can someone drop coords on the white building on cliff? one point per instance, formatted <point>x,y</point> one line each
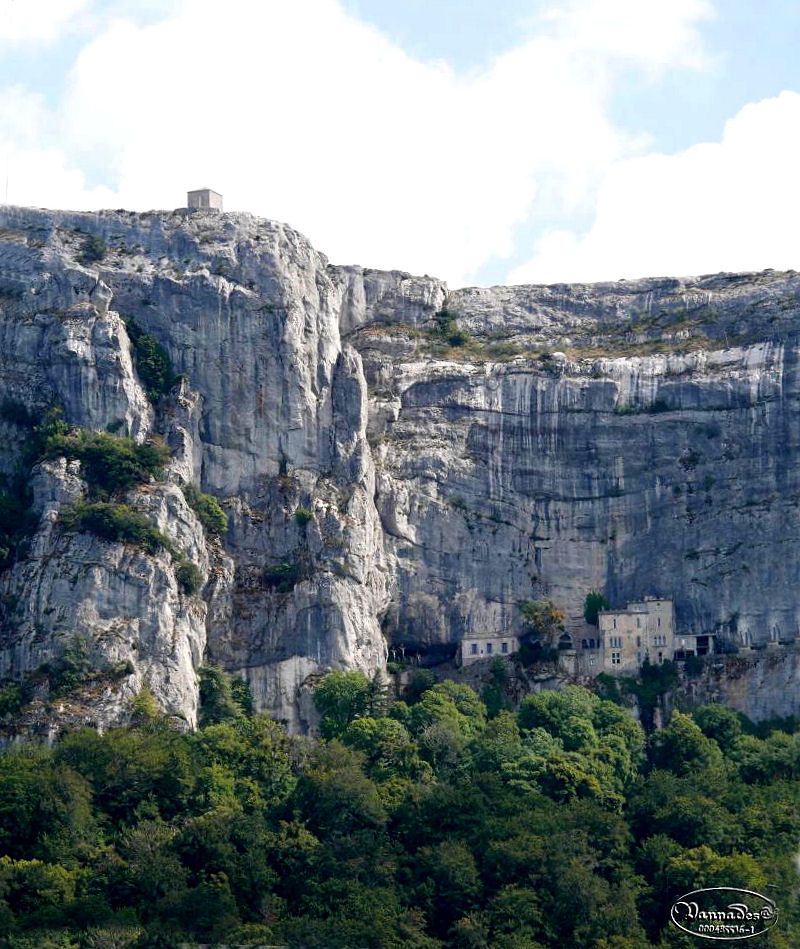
<point>644,630</point>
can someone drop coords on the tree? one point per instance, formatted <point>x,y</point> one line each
<point>592,605</point>
<point>342,697</point>
<point>682,748</point>
<point>720,723</point>
<point>493,692</point>
<point>557,711</point>
<point>217,701</point>
<point>453,703</point>
<point>499,744</point>
<point>144,706</point>
<point>45,807</point>
<point>542,618</point>
<point>335,796</point>
<point>448,884</point>
<point>421,680</point>
<point>387,745</point>
<point>73,666</point>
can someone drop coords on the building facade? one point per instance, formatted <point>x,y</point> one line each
<point>486,647</point>
<point>643,630</point>
<point>204,198</point>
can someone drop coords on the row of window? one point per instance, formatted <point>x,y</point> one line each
<point>638,622</point>
<point>617,641</point>
<point>616,658</point>
<point>473,649</point>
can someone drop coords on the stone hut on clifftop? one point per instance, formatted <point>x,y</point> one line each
<point>204,198</point>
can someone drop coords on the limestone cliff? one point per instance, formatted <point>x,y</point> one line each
<point>398,464</point>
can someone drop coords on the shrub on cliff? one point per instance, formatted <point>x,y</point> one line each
<point>94,249</point>
<point>189,577</point>
<point>116,522</point>
<point>446,328</point>
<point>207,509</point>
<point>109,463</point>
<point>153,363</point>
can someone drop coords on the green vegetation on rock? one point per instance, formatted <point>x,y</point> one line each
<point>207,509</point>
<point>446,328</point>
<point>94,249</point>
<point>592,605</point>
<point>115,522</point>
<point>189,577</point>
<point>109,463</point>
<point>153,363</point>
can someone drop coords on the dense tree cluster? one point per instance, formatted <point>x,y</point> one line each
<point>431,822</point>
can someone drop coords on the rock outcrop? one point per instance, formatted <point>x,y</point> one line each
<point>398,464</point>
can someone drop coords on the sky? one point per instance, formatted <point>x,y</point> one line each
<point>479,141</point>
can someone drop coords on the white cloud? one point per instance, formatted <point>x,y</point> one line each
<point>731,205</point>
<point>652,33</point>
<point>36,20</point>
<point>300,112</point>
<point>33,172</point>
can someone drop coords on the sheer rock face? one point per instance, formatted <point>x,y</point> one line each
<point>127,605</point>
<point>379,482</point>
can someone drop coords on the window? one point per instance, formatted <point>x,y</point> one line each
<point>638,623</point>
<point>615,622</point>
<point>639,658</point>
<point>473,649</point>
<point>659,622</point>
<point>638,641</point>
<point>615,660</point>
<point>504,647</point>
<point>660,658</point>
<point>616,641</point>
<point>488,649</point>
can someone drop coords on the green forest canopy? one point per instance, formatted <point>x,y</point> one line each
<point>426,824</point>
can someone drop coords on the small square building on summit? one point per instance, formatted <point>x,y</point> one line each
<point>204,198</point>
